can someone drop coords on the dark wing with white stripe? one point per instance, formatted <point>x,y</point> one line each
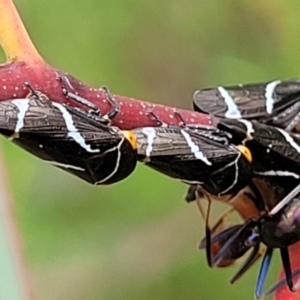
<point>275,155</point>
<point>260,101</point>
<point>88,149</point>
<point>193,158</point>
<point>269,138</point>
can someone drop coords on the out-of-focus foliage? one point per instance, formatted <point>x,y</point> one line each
<point>136,239</point>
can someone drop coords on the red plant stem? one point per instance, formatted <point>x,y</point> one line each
<point>26,64</point>
<point>134,113</point>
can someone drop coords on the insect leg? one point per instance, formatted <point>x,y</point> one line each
<point>66,85</point>
<point>285,257</point>
<point>205,216</point>
<point>252,258</point>
<point>208,235</point>
<point>230,241</point>
<point>196,127</point>
<point>182,122</point>
<point>90,118</point>
<point>94,110</point>
<point>280,284</point>
<point>285,200</point>
<point>159,122</point>
<point>115,105</point>
<point>263,272</point>
<point>222,219</point>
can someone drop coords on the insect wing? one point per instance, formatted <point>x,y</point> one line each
<point>251,101</point>
<point>193,158</point>
<point>49,130</point>
<point>275,157</point>
<point>280,150</point>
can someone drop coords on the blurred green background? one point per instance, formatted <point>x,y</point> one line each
<point>137,239</point>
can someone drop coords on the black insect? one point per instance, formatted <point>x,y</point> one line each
<point>234,251</point>
<point>194,158</point>
<point>208,161</point>
<point>275,162</point>
<point>275,159</point>
<point>275,153</point>
<point>276,172</point>
<point>74,140</point>
<point>278,228</point>
<point>275,103</point>
<point>217,237</point>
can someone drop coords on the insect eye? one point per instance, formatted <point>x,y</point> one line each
<point>245,151</point>
<point>131,137</point>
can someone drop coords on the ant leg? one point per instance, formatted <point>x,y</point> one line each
<point>280,284</point>
<point>287,199</point>
<point>205,216</point>
<point>221,221</point>
<point>263,272</point>
<point>285,257</point>
<point>95,119</point>
<point>251,259</point>
<point>230,241</point>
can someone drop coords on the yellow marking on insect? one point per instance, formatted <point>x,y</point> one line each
<point>245,151</point>
<point>131,137</point>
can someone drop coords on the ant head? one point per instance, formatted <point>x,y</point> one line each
<point>282,229</point>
